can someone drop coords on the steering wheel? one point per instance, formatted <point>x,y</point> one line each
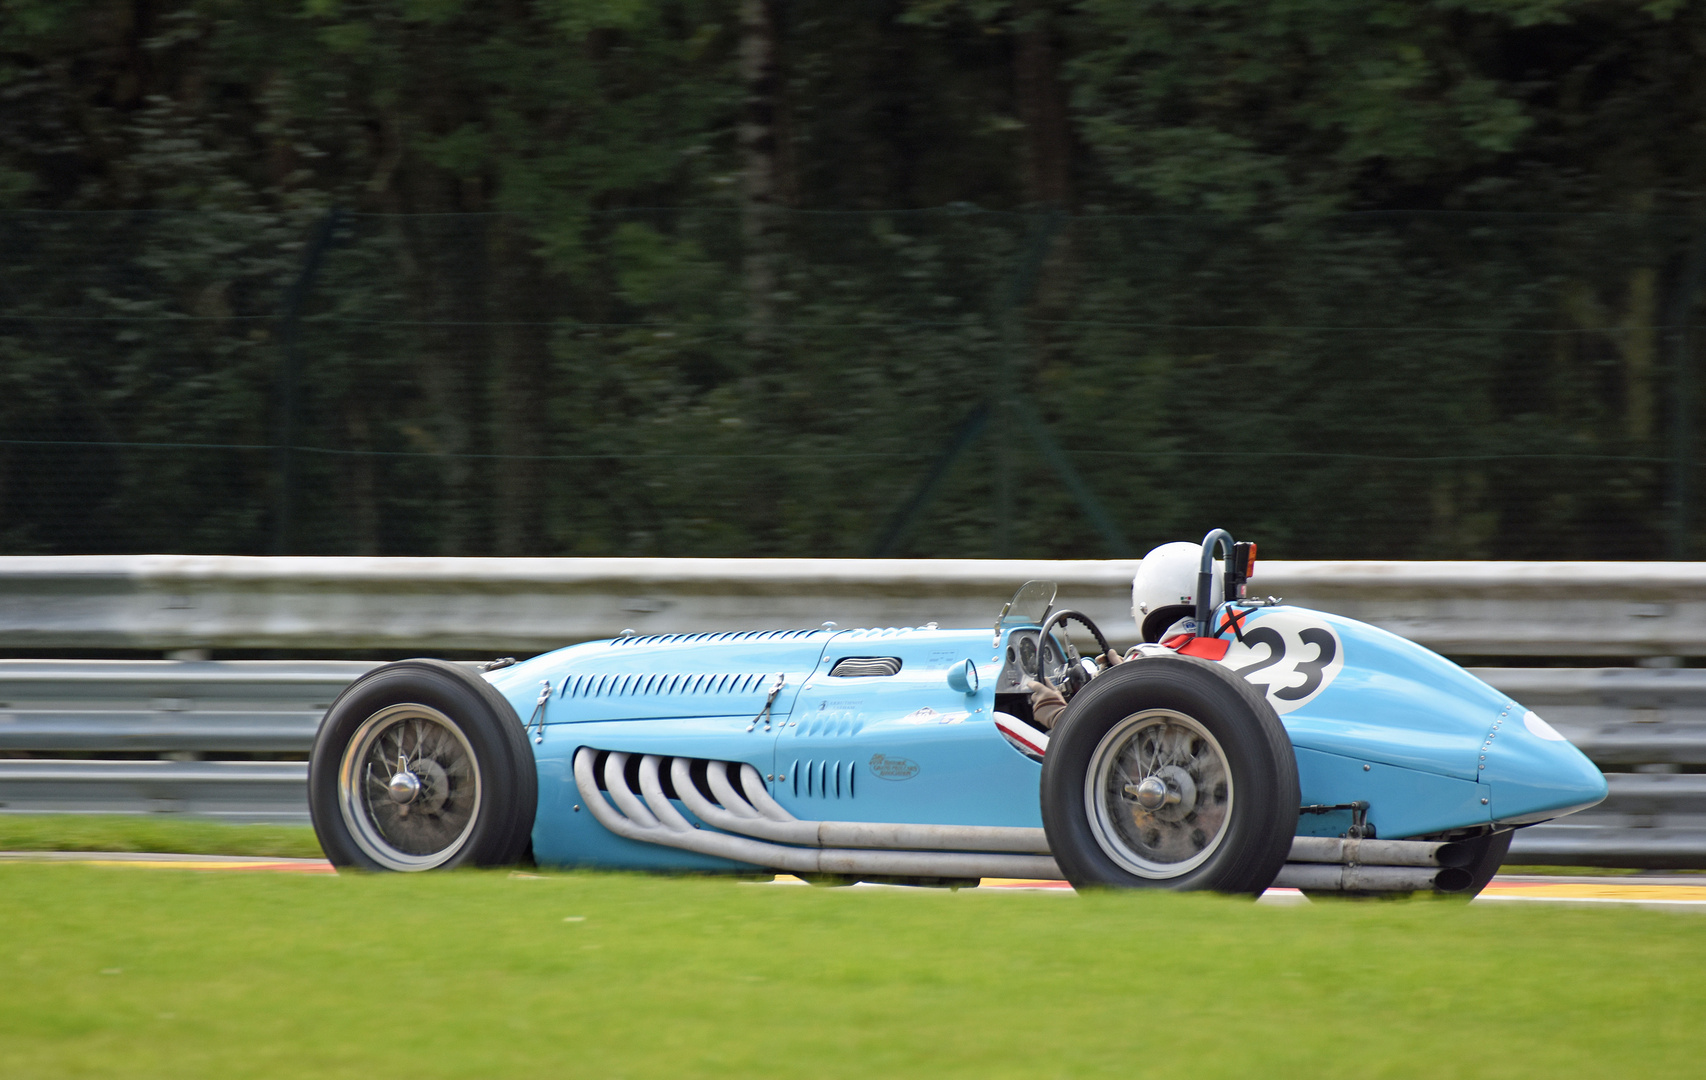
<point>1073,676</point>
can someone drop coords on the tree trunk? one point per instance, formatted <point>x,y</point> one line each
<point>758,144</point>
<point>1640,347</point>
<point>1041,98</point>
<point>520,350</point>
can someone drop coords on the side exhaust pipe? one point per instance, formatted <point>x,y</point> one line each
<point>1331,864</point>
<point>1327,877</point>
<point>758,830</point>
<point>772,822</point>
<point>655,820</point>
<point>1328,849</point>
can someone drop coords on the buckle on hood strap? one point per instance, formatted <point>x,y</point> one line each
<point>769,700</point>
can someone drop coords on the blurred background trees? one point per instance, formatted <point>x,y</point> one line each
<point>759,277</point>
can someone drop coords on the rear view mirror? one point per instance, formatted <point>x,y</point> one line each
<point>963,677</point>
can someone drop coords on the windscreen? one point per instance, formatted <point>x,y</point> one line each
<point>1029,605</point>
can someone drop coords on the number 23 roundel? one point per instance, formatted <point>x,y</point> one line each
<point>1290,656</point>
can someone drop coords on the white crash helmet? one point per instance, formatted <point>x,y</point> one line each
<point>1164,590</point>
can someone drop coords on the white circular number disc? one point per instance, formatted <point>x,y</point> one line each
<point>1540,728</point>
<point>1290,656</point>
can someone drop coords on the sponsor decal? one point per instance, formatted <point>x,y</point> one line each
<point>927,715</point>
<point>893,768</point>
<point>1290,656</point>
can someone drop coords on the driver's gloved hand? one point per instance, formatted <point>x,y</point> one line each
<point>1046,704</point>
<point>1108,661</point>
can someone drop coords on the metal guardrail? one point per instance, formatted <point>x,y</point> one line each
<point>167,706</point>
<point>179,709</point>
<point>1649,821</point>
<point>232,790</point>
<point>1646,719</point>
<point>429,605</point>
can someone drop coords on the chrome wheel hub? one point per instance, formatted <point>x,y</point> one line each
<point>409,787</point>
<point>1158,794</point>
<point>1181,800</point>
<point>404,786</point>
<point>1151,794</point>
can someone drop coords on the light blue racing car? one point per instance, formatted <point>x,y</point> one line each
<point>1244,744</point>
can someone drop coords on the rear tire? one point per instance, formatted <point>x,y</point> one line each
<point>422,765</point>
<point>1217,808</point>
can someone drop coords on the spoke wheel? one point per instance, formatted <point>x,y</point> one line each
<point>1168,772</point>
<point>1159,794</point>
<point>422,765</point>
<point>409,787</point>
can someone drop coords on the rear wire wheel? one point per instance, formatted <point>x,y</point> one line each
<point>409,787</point>
<point>1169,772</point>
<point>422,765</point>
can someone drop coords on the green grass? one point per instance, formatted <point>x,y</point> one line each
<point>153,832</point>
<point>161,973</point>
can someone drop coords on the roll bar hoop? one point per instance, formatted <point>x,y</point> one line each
<point>1205,579</point>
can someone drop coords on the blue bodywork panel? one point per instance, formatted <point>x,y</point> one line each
<point>1383,701</point>
<point>1403,802</point>
<point>1371,717</point>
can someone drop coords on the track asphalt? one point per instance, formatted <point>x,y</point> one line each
<point>1681,892</point>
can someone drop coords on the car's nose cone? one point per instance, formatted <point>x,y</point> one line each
<point>1534,772</point>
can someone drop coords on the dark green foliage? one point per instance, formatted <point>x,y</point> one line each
<point>1358,280</point>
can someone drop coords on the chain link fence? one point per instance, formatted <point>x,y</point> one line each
<point>948,382</point>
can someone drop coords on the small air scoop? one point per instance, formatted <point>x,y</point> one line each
<point>853,667</point>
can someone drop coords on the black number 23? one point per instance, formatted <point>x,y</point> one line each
<point>1325,650</point>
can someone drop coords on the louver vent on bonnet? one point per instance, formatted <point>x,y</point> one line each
<point>727,635</point>
<point>597,686</point>
<point>849,667</point>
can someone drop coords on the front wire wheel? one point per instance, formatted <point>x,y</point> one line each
<point>1168,772</point>
<point>1158,794</point>
<point>409,787</point>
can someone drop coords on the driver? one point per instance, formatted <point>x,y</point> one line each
<point>1164,591</point>
<point>1164,605</point>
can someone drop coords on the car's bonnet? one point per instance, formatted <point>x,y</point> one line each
<point>665,675</point>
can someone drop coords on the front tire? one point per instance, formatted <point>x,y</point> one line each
<point>1169,772</point>
<point>1489,853</point>
<point>422,765</point>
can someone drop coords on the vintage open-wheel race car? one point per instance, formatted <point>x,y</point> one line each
<point>1267,744</point>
